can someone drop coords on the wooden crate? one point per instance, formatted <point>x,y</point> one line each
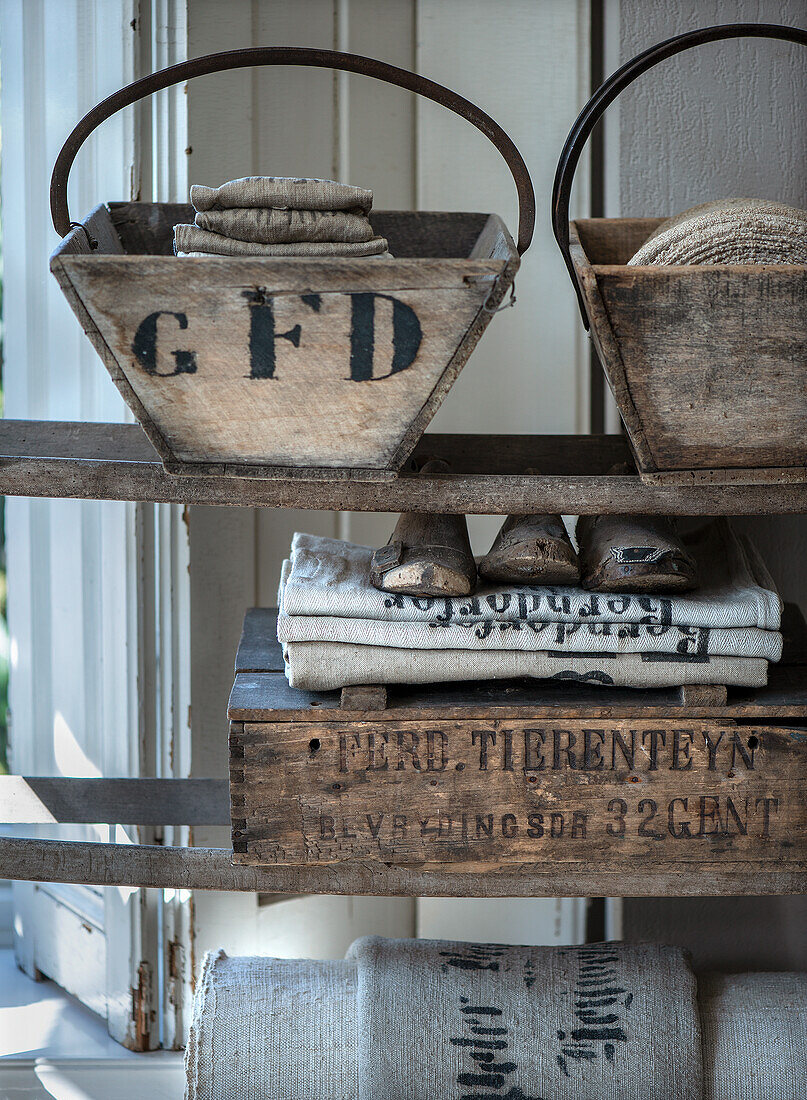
<point>708,364</point>
<point>486,777</point>
<point>249,365</point>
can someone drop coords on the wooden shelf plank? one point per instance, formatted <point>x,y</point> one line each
<point>212,869</point>
<point>44,800</point>
<point>116,462</point>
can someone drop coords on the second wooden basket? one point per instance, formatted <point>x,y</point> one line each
<point>707,363</point>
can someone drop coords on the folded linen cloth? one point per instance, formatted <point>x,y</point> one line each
<point>190,238</point>
<point>331,577</point>
<point>264,226</point>
<point>754,1036</point>
<point>282,193</point>
<point>730,231</point>
<point>327,666</point>
<point>581,637</point>
<point>412,1019</point>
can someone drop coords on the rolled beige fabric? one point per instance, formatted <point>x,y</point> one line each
<point>754,1029</point>
<point>282,192</point>
<point>272,1029</point>
<point>730,231</point>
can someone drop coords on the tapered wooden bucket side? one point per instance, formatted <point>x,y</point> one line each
<point>249,365</point>
<point>708,363</point>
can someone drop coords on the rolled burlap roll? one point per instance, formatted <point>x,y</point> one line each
<point>273,1029</point>
<point>754,1029</point>
<point>730,231</point>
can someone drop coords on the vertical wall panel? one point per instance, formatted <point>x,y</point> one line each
<point>72,611</point>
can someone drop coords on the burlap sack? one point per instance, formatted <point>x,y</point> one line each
<point>326,666</point>
<point>273,1029</point>
<point>754,1030</point>
<point>263,226</point>
<point>731,231</point>
<point>456,1021</point>
<point>332,577</point>
<point>283,193</point>
<point>190,238</point>
<point>579,638</point>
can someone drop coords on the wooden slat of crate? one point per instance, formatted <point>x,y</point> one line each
<point>622,794</point>
<point>41,800</point>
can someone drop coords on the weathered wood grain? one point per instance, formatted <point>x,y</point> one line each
<point>633,553</point>
<point>533,548</point>
<point>232,363</point>
<point>498,791</point>
<point>166,867</point>
<point>703,695</point>
<point>708,363</point>
<point>363,697</point>
<point>116,462</point>
<point>41,800</point>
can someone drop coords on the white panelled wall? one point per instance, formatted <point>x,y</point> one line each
<point>72,565</point>
<point>526,63</point>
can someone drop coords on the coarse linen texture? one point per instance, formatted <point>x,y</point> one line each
<point>332,577</point>
<point>282,193</point>
<point>273,1029</point>
<point>754,1036</point>
<point>287,226</point>
<point>327,666</point>
<point>337,629</point>
<point>459,1020</point>
<point>429,1019</point>
<point>729,231</point>
<point>192,239</point>
<point>582,637</point>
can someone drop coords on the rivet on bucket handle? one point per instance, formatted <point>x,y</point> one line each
<point>607,93</point>
<point>283,55</point>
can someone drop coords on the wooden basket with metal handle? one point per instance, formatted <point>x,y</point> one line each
<point>708,363</point>
<point>254,365</point>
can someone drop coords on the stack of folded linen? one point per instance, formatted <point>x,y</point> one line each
<point>337,629</point>
<point>275,216</point>
<point>431,1019</point>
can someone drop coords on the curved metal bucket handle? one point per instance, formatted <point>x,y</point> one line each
<point>283,55</point>
<point>607,93</point>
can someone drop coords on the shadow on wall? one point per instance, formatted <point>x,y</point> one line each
<point>737,937</point>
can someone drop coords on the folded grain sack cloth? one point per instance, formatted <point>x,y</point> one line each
<point>754,1031</point>
<point>263,226</point>
<point>730,231</point>
<point>277,216</point>
<point>192,239</point>
<point>438,1020</point>
<point>282,193</point>
<point>333,624</point>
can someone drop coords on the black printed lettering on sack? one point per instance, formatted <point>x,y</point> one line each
<point>491,1065</point>
<point>536,604</point>
<point>601,1005</point>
